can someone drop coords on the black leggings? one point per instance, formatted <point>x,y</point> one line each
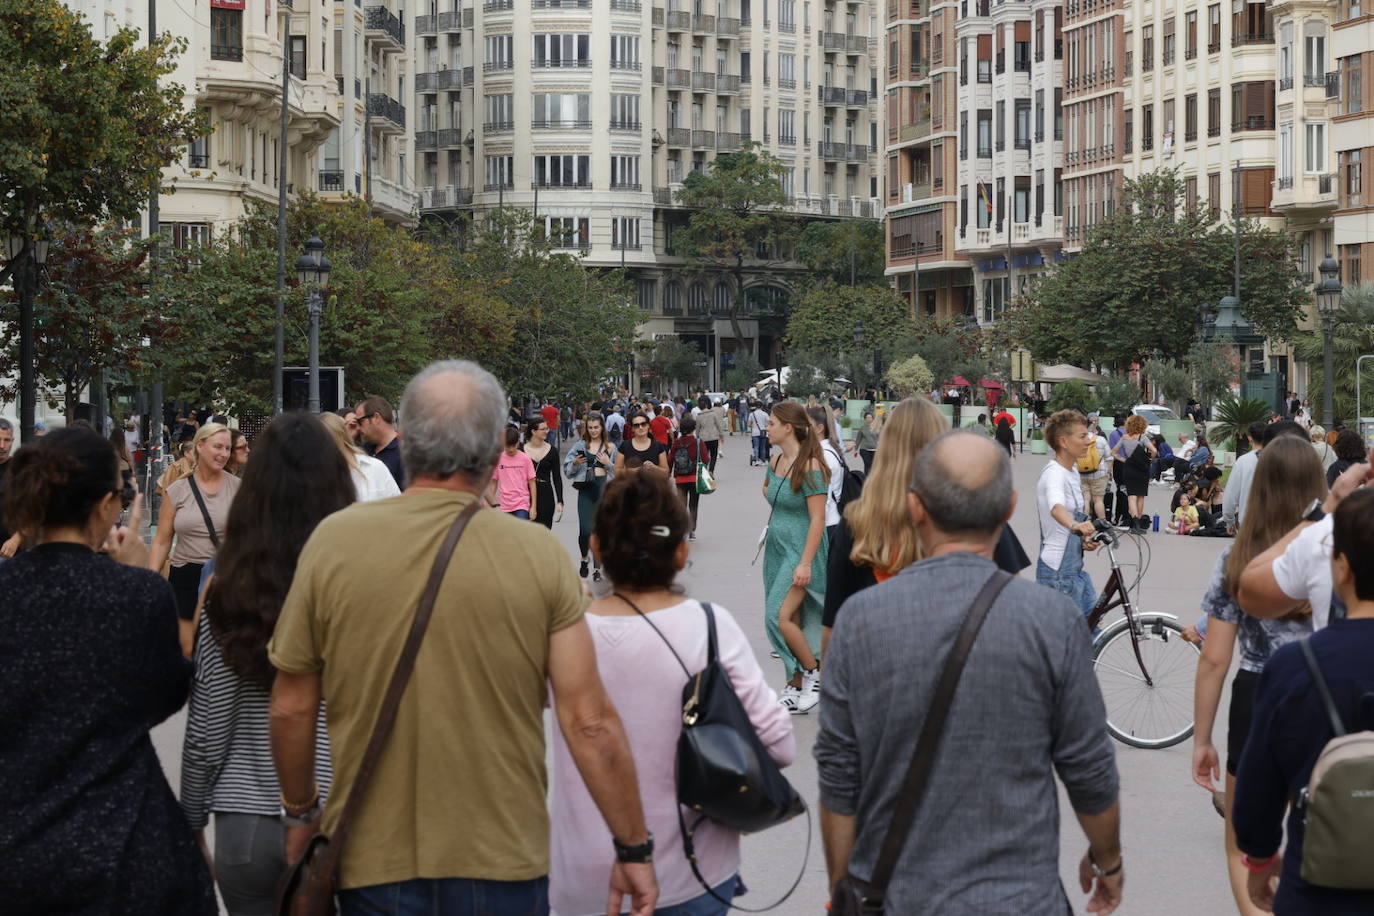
<point>712,451</point>
<point>692,498</point>
<point>588,498</point>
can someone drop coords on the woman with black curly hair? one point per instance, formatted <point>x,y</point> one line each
<point>297,477</point>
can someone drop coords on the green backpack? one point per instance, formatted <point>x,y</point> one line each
<point>1338,803</point>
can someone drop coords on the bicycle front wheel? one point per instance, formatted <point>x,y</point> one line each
<point>1149,699</point>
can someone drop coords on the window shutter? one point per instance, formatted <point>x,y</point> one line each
<point>1023,31</point>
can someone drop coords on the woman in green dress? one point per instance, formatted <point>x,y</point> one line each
<point>794,557</point>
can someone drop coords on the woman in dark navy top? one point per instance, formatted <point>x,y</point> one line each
<point>89,662</point>
<point>1291,727</point>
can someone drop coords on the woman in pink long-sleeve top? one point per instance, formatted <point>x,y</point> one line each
<point>641,538</point>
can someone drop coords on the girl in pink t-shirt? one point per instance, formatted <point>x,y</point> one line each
<point>512,485</point>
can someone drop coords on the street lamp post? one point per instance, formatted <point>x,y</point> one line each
<point>30,252</point>
<point>313,270</point>
<point>1329,305</point>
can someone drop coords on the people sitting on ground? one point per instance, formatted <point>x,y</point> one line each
<point>1185,516</point>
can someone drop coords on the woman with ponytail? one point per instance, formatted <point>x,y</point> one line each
<point>89,662</point>
<point>794,552</point>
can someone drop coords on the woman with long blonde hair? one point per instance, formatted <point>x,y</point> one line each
<point>1287,479</point>
<point>796,486</point>
<point>876,539</point>
<point>371,478</point>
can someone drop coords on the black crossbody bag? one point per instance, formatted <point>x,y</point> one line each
<point>854,896</point>
<point>723,770</point>
<point>204,511</point>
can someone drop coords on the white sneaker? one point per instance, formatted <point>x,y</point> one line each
<point>810,693</point>
<point>788,698</point>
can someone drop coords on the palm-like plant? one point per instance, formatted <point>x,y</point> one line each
<point>1352,337</point>
<point>1234,416</point>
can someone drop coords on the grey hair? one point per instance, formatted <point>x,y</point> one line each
<point>453,412</point>
<point>955,486</point>
<point>6,425</point>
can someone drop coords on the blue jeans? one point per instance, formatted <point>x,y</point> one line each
<point>521,513</point>
<point>448,897</point>
<point>761,449</point>
<point>1070,578</point>
<point>706,905</point>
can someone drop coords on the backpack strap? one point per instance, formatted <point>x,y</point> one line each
<point>1311,658</point>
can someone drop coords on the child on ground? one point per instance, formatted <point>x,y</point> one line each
<point>1185,516</point>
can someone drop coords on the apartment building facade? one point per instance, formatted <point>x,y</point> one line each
<point>1010,221</point>
<point>1351,88</point>
<point>591,113</point>
<point>370,153</point>
<point>922,114</point>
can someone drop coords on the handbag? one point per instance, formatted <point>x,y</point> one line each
<point>723,770</point>
<point>853,896</point>
<point>204,511</point>
<point>308,887</point>
<point>706,481</point>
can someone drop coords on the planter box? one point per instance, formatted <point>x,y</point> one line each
<point>1038,447</point>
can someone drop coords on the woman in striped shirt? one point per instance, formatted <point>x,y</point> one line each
<point>296,478</point>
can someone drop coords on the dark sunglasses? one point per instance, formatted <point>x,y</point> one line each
<point>637,425</point>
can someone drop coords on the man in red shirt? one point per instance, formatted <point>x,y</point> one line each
<point>662,425</point>
<point>550,415</point>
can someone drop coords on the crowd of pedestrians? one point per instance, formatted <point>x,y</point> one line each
<point>295,562</point>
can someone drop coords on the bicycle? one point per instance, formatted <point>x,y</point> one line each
<point>1143,664</point>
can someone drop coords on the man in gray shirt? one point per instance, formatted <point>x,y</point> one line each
<point>986,836</point>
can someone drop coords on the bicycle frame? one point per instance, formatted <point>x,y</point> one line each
<point>1114,595</point>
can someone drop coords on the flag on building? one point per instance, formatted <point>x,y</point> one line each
<point>985,197</point>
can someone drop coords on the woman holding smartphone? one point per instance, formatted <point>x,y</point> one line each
<point>589,464</point>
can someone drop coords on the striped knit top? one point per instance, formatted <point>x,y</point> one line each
<point>226,761</point>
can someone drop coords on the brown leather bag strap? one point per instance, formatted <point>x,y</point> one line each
<point>932,730</point>
<point>391,703</point>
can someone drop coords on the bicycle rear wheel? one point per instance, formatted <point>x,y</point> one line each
<point>1148,714</point>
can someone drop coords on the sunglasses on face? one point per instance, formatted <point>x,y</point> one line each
<point>638,425</point>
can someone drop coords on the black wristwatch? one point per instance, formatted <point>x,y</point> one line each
<point>642,854</point>
<point>1315,512</point>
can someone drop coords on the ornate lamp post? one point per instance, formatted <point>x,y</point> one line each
<point>1329,305</point>
<point>313,270</point>
<point>28,251</point>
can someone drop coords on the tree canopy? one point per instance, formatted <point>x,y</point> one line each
<point>736,224</point>
<point>1352,337</point>
<point>1136,288</point>
<point>85,126</point>
<point>849,251</point>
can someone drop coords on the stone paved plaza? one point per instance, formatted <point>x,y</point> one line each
<point>1170,834</point>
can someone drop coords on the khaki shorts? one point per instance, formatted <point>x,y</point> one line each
<point>1094,487</point>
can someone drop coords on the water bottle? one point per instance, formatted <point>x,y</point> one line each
<point>1156,522</point>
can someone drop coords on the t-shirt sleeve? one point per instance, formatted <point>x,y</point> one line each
<point>567,603</point>
<point>296,645</point>
<point>1216,602</point>
<point>1305,561</point>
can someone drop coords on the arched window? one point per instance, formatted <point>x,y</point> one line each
<point>696,305</point>
<point>672,297</point>
<point>766,299</point>
<point>725,297</point>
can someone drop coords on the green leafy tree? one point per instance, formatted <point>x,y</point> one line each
<point>671,359</point>
<point>847,251</point>
<point>85,126</point>
<point>574,328</point>
<point>910,377</point>
<point>1136,288</point>
<point>1352,337</point>
<point>823,320</point>
<point>949,348</point>
<point>743,374</point>
<point>1117,394</point>
<point>393,304</point>
<point>1072,394</point>
<point>1212,370</point>
<point>737,224</point>
<point>1173,382</point>
<point>811,373</point>
<point>89,315</point>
